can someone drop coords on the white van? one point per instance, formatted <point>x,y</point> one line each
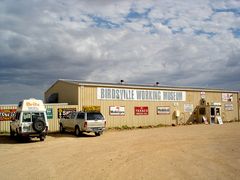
<point>30,120</point>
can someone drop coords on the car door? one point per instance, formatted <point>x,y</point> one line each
<point>66,121</point>
<point>80,119</point>
<point>71,122</point>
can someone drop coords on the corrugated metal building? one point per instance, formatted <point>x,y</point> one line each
<point>143,105</point>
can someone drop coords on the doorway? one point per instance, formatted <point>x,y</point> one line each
<point>215,113</point>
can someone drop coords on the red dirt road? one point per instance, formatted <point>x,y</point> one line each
<point>184,152</point>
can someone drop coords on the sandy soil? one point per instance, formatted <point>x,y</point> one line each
<point>185,152</point>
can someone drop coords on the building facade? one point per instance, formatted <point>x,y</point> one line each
<point>144,105</point>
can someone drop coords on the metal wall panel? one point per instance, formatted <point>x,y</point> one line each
<point>89,98</point>
<point>4,125</point>
<point>53,123</point>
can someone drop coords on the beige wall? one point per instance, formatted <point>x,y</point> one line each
<point>66,92</point>
<point>88,97</point>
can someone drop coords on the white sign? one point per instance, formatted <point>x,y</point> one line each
<point>219,118</point>
<point>203,94</point>
<point>117,110</point>
<point>140,95</point>
<point>227,97</point>
<point>163,110</point>
<point>188,108</point>
<point>228,107</point>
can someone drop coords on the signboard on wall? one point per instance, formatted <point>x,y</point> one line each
<point>188,108</point>
<point>227,97</point>
<point>140,95</point>
<point>117,110</point>
<point>141,110</point>
<point>228,107</point>
<point>49,113</point>
<point>163,110</point>
<point>203,95</point>
<point>91,108</point>
<point>7,114</point>
<point>62,112</point>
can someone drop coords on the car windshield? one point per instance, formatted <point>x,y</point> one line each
<point>94,116</point>
<point>31,117</point>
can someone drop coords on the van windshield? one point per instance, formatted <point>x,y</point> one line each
<point>32,116</point>
<point>94,116</point>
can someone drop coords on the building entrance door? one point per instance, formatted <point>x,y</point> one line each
<point>215,114</point>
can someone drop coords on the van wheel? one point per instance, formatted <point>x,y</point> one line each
<point>12,133</point>
<point>98,133</point>
<point>39,125</point>
<point>42,138</point>
<point>62,130</point>
<point>77,131</point>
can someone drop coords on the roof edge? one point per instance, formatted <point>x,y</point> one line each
<point>166,87</point>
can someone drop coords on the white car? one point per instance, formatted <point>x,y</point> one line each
<point>30,120</point>
<point>80,122</point>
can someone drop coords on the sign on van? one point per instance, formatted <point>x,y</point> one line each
<point>7,114</point>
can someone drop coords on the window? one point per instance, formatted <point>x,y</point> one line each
<point>94,116</point>
<point>17,117</point>
<point>212,112</point>
<point>26,117</point>
<point>72,115</point>
<point>80,116</point>
<point>36,116</point>
<point>31,117</point>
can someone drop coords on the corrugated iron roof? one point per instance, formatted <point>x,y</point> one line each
<point>144,86</point>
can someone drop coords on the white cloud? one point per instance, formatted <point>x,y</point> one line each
<point>173,42</point>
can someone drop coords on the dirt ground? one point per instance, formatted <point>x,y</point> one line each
<point>184,152</point>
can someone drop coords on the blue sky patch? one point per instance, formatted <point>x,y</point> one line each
<point>136,15</point>
<point>235,11</point>
<point>236,32</point>
<point>202,32</point>
<point>103,23</point>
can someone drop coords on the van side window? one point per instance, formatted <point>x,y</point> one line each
<point>17,117</point>
<point>26,117</point>
<point>80,116</point>
<point>73,115</point>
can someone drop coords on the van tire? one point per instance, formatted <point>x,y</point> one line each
<point>77,131</point>
<point>12,133</point>
<point>98,133</point>
<point>42,138</point>
<point>39,125</point>
<point>61,129</point>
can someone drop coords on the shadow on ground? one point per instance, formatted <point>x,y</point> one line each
<point>6,139</point>
<point>71,135</point>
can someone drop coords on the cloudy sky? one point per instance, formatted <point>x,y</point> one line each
<point>174,42</point>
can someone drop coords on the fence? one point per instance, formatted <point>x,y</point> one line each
<point>54,113</point>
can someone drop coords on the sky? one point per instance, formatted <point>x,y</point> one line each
<point>173,42</point>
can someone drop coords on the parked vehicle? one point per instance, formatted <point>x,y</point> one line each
<point>30,120</point>
<point>80,122</point>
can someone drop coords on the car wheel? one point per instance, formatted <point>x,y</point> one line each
<point>62,130</point>
<point>77,131</point>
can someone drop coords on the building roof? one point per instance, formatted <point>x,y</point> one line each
<point>142,86</point>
